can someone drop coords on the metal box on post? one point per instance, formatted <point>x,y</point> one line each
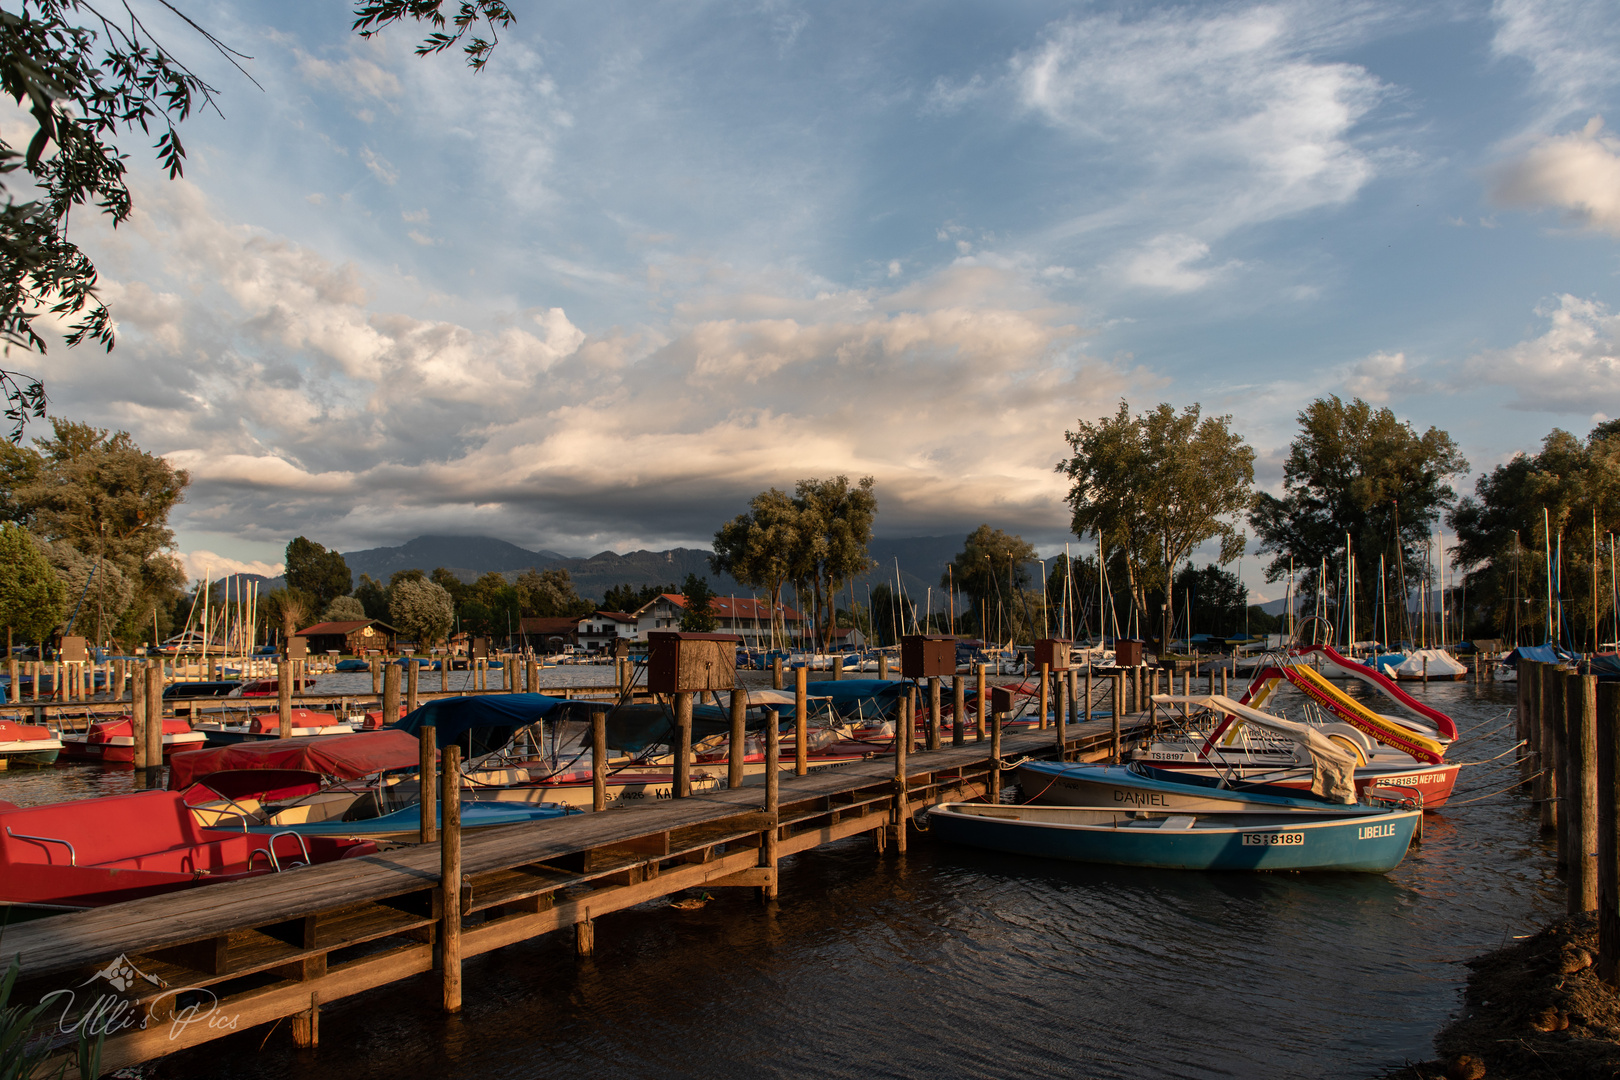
<point>75,650</point>
<point>924,656</point>
<point>679,662</point>
<point>1128,652</point>
<point>1001,699</point>
<point>1053,652</point>
<point>479,649</point>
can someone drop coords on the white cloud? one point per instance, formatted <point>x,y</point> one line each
<point>1572,368</point>
<point>203,563</point>
<point>1572,47</point>
<point>379,166</point>
<point>1380,376</point>
<point>353,75</point>
<point>1578,174</point>
<point>1167,263</point>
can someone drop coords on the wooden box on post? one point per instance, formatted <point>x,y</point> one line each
<point>1053,652</point>
<point>927,656</point>
<point>75,649</point>
<point>1128,652</point>
<point>297,647</point>
<point>1001,699</point>
<point>679,662</point>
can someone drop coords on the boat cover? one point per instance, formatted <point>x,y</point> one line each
<point>858,699</point>
<point>633,728</point>
<point>1441,664</point>
<point>1541,654</point>
<point>1332,767</point>
<point>491,718</point>
<point>1606,663</point>
<point>342,757</point>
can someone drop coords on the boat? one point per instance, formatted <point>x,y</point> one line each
<point>189,690</point>
<point>113,741</point>
<point>305,722</point>
<point>91,852</point>
<point>27,744</point>
<point>1432,665</point>
<point>365,819</point>
<point>1366,839</point>
<point>269,688</point>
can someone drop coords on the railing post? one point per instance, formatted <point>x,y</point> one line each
<point>599,759</point>
<point>450,879</point>
<point>773,780</point>
<point>1581,799</point>
<point>426,773</point>
<point>739,738</point>
<point>1607,722</point>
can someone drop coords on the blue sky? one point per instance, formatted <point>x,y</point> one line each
<point>658,257</point>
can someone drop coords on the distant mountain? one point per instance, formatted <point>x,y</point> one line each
<point>465,556</point>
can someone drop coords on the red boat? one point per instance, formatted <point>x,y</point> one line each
<point>91,852</point>
<point>114,740</point>
<point>270,688</point>
<point>28,744</point>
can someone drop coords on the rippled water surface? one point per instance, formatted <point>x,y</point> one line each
<point>956,962</point>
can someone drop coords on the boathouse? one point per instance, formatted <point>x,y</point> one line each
<point>356,637</point>
<point>546,634</point>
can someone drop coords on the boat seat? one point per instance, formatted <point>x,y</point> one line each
<point>1178,821</point>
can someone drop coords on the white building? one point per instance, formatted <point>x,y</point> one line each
<point>600,631</point>
<point>746,617</point>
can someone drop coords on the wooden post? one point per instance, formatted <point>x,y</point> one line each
<point>776,673</point>
<point>1060,719</point>
<point>1087,719</point>
<point>773,780</point>
<point>994,794</point>
<point>1580,699</point>
<point>739,738</point>
<point>958,710</point>
<point>837,668</point>
<point>903,731</point>
<point>137,718</point>
<point>450,879</point>
<point>13,671</point>
<point>390,699</point>
<point>1225,676</point>
<point>1119,707</point>
<point>1073,680</point>
<point>284,696</point>
<point>981,714</point>
<point>444,672</point>
<point>683,744</point>
<point>883,665</point>
<point>306,1026</point>
<point>599,759</point>
<point>1529,718</point>
<point>1608,824</point>
<point>427,830</point>
<point>1046,694</point>
<point>376,675</point>
<point>534,677</point>
<point>801,721</point>
<point>933,712</point>
<point>585,937</point>
<point>627,680</point>
<point>154,723</point>
<point>412,696</point>
<point>1552,693</point>
<point>36,667</point>
<point>1425,671</point>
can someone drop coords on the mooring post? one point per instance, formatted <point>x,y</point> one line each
<point>627,680</point>
<point>837,668</point>
<point>427,760</point>
<point>534,676</point>
<point>1580,699</point>
<point>1045,695</point>
<point>1060,720</point>
<point>982,709</point>
<point>1530,674</point>
<point>154,724</point>
<point>994,794</point>
<point>376,674</point>
<point>933,712</point>
<point>1072,679</point>
<point>776,673</point>
<point>450,878</point>
<point>413,695</point>
<point>738,747</point>
<point>801,721</point>
<point>1088,693</point>
<point>599,759</point>
<point>306,1026</point>
<point>444,672</point>
<point>390,697</point>
<point>883,665</point>
<point>137,718</point>
<point>903,731</point>
<point>1119,707</point>
<point>683,744</point>
<point>1608,826</point>
<point>1552,687</point>
<point>958,710</point>
<point>773,781</point>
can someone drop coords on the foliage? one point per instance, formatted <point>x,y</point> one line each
<point>314,570</point>
<point>287,610</point>
<point>451,584</point>
<point>698,614</point>
<point>1504,529</point>
<point>97,593</point>
<point>373,597</point>
<point>1212,600</point>
<point>992,568</point>
<point>344,609</point>
<point>629,598</point>
<point>371,17</point>
<point>1358,471</point>
<point>549,594</point>
<point>1261,622</point>
<point>32,596</point>
<point>764,547</point>
<point>835,528</point>
<point>23,1056</point>
<point>1155,486</point>
<point>492,606</point>
<point>420,610</point>
<point>1072,580</point>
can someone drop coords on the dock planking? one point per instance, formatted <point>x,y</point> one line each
<point>276,946</point>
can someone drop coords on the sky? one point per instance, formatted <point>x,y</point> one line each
<point>656,258</point>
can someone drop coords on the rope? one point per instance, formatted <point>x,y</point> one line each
<point>1451,803</point>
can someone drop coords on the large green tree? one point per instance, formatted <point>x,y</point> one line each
<point>1156,485</point>
<point>835,530</point>
<point>628,598</point>
<point>32,596</point>
<point>1364,473</point>
<point>697,615</point>
<point>992,568</point>
<point>322,574</point>
<point>420,610</point>
<point>764,547</point>
<point>549,594</point>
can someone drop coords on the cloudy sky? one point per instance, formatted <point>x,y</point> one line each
<point>658,257</point>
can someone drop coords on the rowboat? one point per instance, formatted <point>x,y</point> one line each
<point>1142,787</point>
<point>113,741</point>
<point>1372,840</point>
<point>305,722</point>
<point>27,744</point>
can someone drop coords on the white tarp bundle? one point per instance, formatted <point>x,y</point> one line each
<point>1333,768</point>
<point>1442,665</point>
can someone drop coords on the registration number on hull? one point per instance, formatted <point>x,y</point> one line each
<point>1273,839</point>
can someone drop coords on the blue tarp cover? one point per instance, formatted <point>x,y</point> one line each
<point>1541,654</point>
<point>493,718</point>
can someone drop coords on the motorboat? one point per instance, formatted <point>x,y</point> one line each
<point>305,723</point>
<point>27,744</point>
<point>113,741</point>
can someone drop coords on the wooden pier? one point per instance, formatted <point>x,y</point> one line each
<point>251,952</point>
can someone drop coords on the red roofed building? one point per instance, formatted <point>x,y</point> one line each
<point>355,638</point>
<point>744,616</point>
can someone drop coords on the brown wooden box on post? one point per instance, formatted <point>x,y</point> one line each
<point>1001,699</point>
<point>1053,652</point>
<point>1128,652</point>
<point>297,647</point>
<point>927,656</point>
<point>680,662</point>
<point>621,648</point>
<point>75,650</point>
<point>480,648</point>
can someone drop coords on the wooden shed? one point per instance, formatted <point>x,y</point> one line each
<point>353,637</point>
<point>682,662</point>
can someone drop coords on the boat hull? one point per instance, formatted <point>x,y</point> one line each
<point>1433,782</point>
<point>1116,787</point>
<point>1366,842</point>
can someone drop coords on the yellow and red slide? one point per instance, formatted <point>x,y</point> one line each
<point>1314,686</point>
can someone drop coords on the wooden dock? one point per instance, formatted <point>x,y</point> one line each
<point>251,952</point>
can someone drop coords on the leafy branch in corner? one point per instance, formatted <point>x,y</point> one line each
<point>370,19</point>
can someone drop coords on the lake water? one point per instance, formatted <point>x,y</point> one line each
<point>955,962</point>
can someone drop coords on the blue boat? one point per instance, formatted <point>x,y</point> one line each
<point>406,823</point>
<point>1142,787</point>
<point>1368,839</point>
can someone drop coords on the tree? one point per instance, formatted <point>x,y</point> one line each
<point>450,584</point>
<point>628,598</point>
<point>86,79</point>
<point>98,594</point>
<point>1071,587</point>
<point>1155,486</point>
<point>1362,472</point>
<point>549,594</point>
<point>344,609</point>
<point>835,530</point>
<point>32,596</point>
<point>764,547</point>
<point>373,597</point>
<point>312,569</point>
<point>1212,599</point>
<point>993,568</point>
<point>288,610</point>
<point>420,610</point>
<point>698,599</point>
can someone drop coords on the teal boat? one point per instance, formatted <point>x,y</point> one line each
<point>405,824</point>
<point>1367,839</point>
